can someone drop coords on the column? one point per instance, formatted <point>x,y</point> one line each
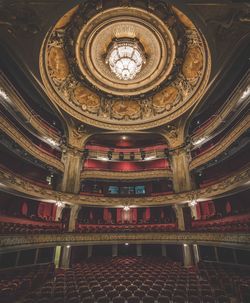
<point>179,216</point>
<point>187,255</point>
<point>90,251</point>
<point>138,250</point>
<point>163,250</point>
<point>196,254</point>
<point>74,210</point>
<point>17,258</point>
<point>72,159</point>
<point>180,166</point>
<point>36,256</point>
<point>114,250</point>
<point>216,254</point>
<point>57,254</point>
<point>65,256</point>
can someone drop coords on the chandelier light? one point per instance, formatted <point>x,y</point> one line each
<point>59,203</point>
<point>126,208</point>
<point>125,58</point>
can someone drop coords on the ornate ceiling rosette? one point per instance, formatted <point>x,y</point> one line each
<point>171,75</point>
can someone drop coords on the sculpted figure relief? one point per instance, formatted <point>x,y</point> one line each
<point>58,63</point>
<point>193,63</point>
<point>166,98</point>
<point>128,108</point>
<point>86,99</point>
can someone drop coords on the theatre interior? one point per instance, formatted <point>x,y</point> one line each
<point>124,151</point>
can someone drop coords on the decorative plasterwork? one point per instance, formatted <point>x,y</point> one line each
<point>17,101</point>
<point>221,116</point>
<point>11,241</point>
<point>126,175</point>
<point>8,128</point>
<point>14,182</point>
<point>222,145</point>
<point>76,77</point>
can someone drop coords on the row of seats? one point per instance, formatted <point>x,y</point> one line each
<point>15,283</point>
<point>233,279</point>
<point>128,280</point>
<point>231,226</point>
<point>88,228</point>
<point>6,228</point>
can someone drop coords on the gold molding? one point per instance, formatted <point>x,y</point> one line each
<point>28,145</point>
<point>18,102</point>
<point>223,112</point>
<point>13,182</point>
<point>223,144</point>
<point>127,175</point>
<point>60,89</point>
<point>10,241</point>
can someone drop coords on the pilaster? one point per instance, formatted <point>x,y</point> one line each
<point>180,216</point>
<point>65,256</point>
<point>74,210</point>
<point>72,159</point>
<point>187,255</point>
<point>182,180</point>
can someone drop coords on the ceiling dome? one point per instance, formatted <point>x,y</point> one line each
<point>125,67</point>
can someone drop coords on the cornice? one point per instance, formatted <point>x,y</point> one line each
<point>126,175</point>
<point>11,241</point>
<point>32,117</point>
<point>223,112</point>
<point>13,182</point>
<point>8,128</point>
<point>223,144</point>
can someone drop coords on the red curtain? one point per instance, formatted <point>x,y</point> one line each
<point>207,209</point>
<point>228,207</point>
<point>119,215</point>
<point>198,211</point>
<point>147,214</point>
<point>134,216</point>
<point>107,215</point>
<point>24,209</point>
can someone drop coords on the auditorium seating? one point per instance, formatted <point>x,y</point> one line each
<point>230,279</point>
<point>16,283</point>
<point>239,223</point>
<point>112,228</point>
<point>129,280</point>
<point>7,227</point>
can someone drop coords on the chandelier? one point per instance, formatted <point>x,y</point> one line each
<point>59,203</point>
<point>125,58</point>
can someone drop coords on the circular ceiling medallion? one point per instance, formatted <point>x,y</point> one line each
<point>93,42</point>
<point>125,67</point>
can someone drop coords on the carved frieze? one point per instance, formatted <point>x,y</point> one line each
<point>15,182</point>
<point>77,78</point>
<point>11,241</point>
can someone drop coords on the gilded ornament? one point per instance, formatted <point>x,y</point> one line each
<point>57,63</point>
<point>166,98</point>
<point>129,108</point>
<point>86,99</point>
<point>183,18</point>
<point>193,63</point>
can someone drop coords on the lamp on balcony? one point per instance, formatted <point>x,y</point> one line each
<point>59,202</point>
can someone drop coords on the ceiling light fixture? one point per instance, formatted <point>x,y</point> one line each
<point>126,208</point>
<point>59,203</point>
<point>125,58</point>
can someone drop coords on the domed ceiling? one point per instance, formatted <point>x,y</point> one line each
<point>125,67</point>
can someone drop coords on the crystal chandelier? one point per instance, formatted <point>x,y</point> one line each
<point>125,58</point>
